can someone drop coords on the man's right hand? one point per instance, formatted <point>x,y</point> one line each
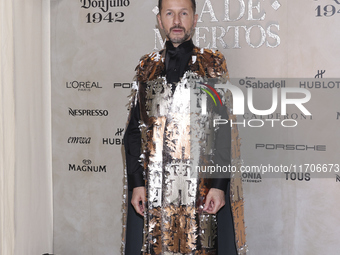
<point>138,199</point>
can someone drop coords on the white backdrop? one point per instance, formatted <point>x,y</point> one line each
<point>26,216</point>
<point>94,52</point>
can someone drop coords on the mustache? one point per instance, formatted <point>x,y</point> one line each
<point>176,27</point>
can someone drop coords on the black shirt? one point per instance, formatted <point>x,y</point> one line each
<point>176,60</point>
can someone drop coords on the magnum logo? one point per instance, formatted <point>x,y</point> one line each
<point>87,167</point>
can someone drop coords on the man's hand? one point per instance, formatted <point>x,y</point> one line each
<point>215,201</point>
<point>138,199</point>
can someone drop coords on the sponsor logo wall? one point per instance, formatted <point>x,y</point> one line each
<point>271,47</point>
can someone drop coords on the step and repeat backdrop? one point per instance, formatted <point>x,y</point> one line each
<point>284,57</point>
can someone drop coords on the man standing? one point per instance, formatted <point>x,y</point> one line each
<point>178,210</point>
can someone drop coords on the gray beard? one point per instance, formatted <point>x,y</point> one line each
<point>183,39</point>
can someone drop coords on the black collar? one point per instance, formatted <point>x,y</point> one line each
<point>183,48</point>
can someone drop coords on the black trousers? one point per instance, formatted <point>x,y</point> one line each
<point>225,230</point>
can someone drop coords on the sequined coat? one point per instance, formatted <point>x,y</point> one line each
<point>174,222</point>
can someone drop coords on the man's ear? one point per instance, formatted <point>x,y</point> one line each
<point>195,19</point>
<point>160,21</point>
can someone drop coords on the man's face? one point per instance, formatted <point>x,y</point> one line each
<point>178,20</point>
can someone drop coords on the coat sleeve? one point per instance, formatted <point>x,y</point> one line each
<point>222,155</point>
<point>132,145</point>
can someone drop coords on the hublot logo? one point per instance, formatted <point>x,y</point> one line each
<point>115,141</point>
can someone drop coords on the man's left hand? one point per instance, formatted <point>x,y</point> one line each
<point>215,201</point>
